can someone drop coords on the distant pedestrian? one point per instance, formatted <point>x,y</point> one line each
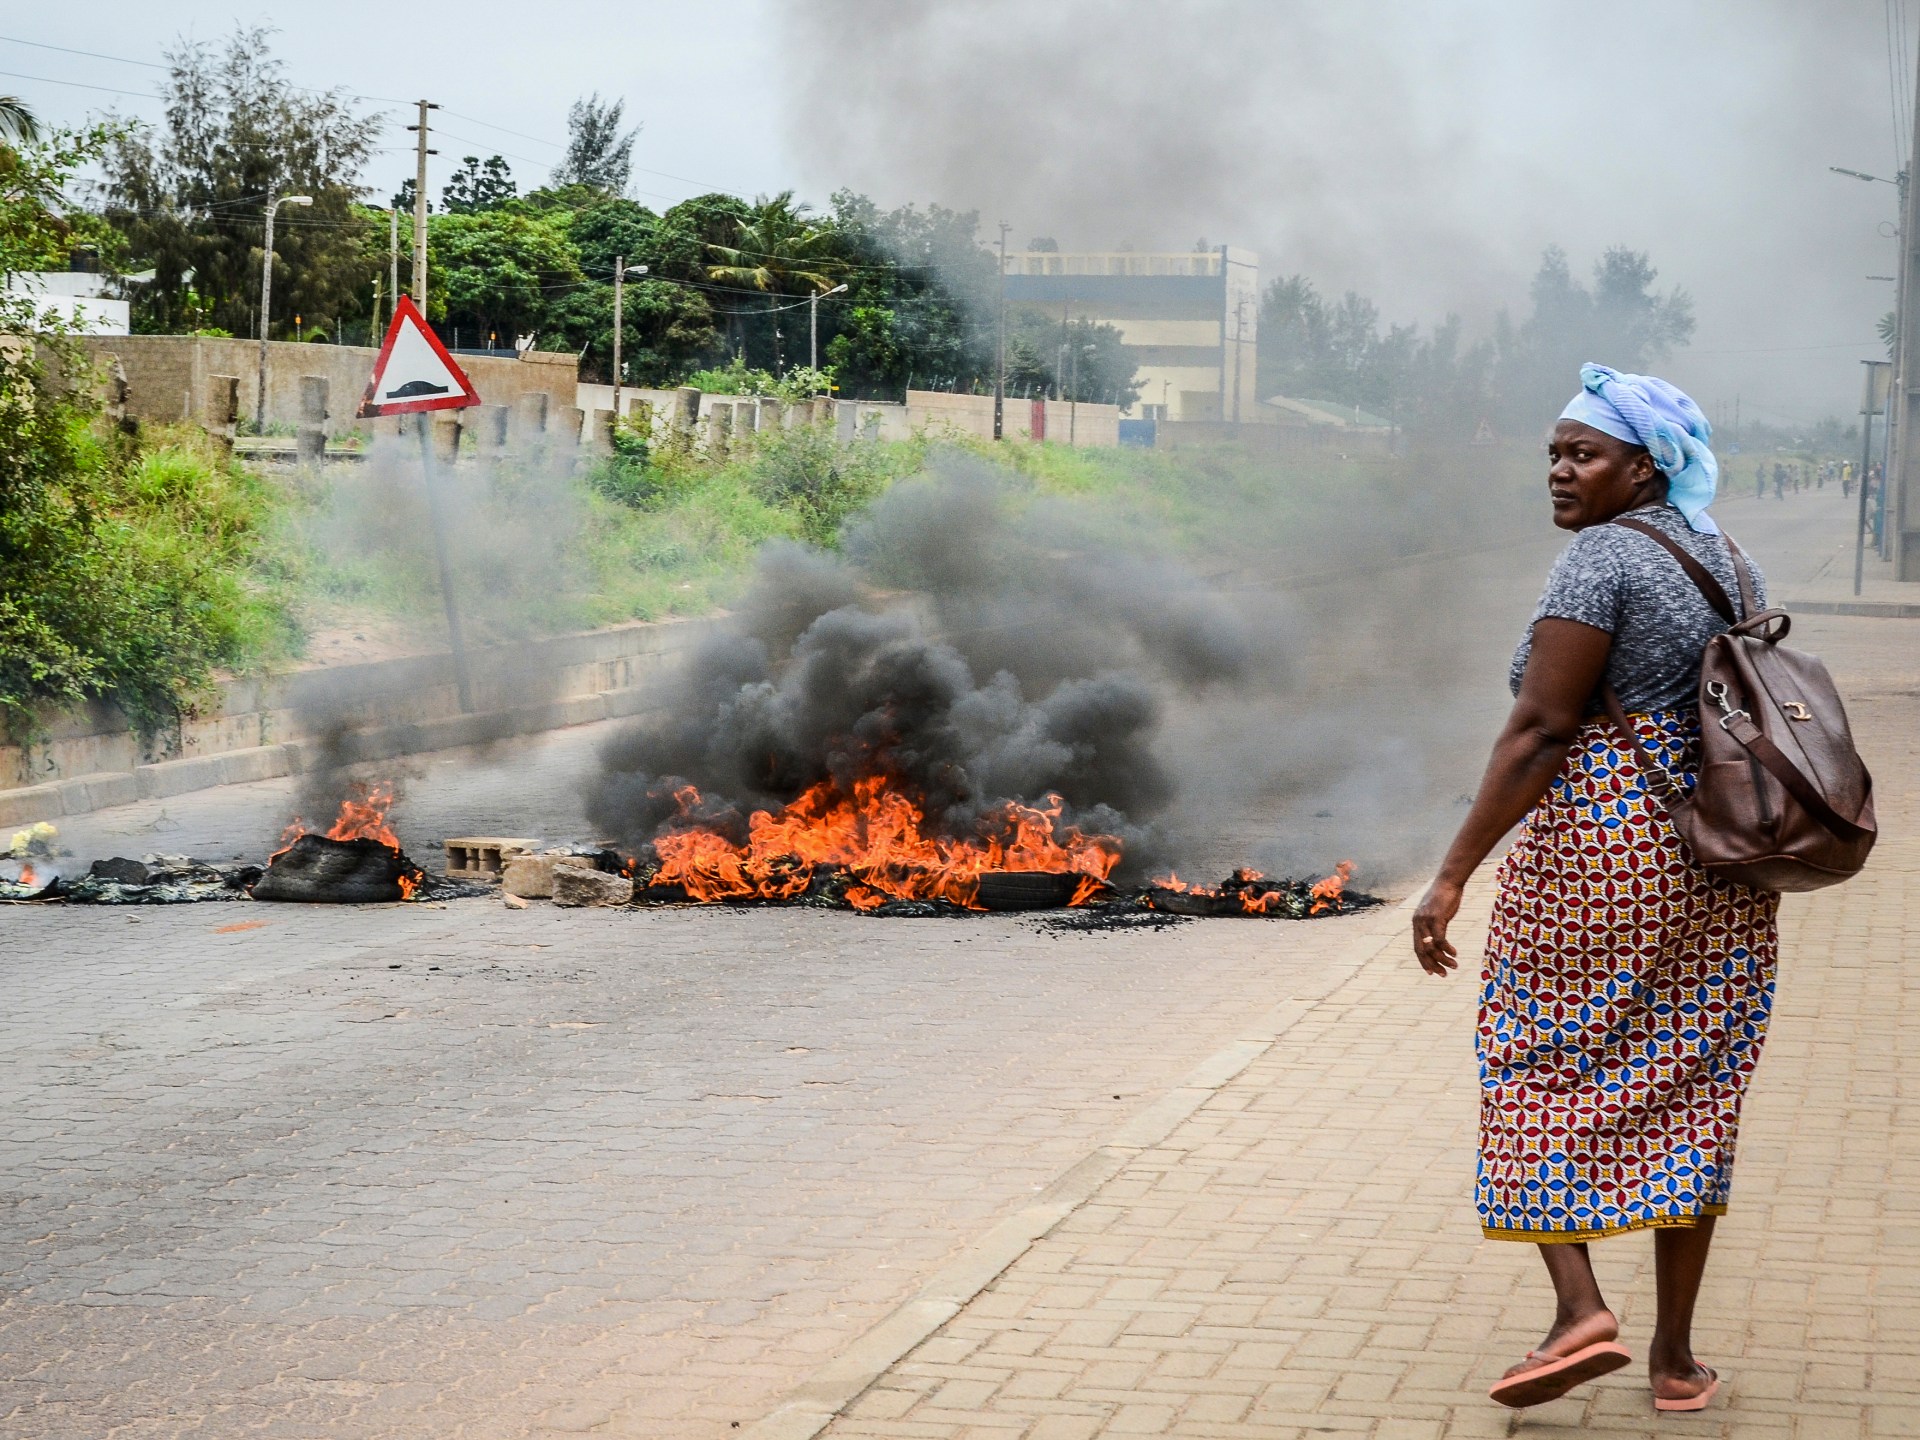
<point>1759,480</point>
<point>1846,480</point>
<point>1779,481</point>
<point>1624,993</point>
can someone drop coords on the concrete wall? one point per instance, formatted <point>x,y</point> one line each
<point>262,729</point>
<point>1326,440</point>
<point>168,376</point>
<point>1090,425</point>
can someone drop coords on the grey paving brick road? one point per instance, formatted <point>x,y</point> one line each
<point>416,1171</point>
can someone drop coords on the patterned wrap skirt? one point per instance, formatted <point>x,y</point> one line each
<point>1624,1002</point>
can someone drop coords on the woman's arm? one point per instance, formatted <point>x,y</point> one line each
<point>1563,671</point>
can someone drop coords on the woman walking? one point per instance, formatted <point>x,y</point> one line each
<point>1625,993</point>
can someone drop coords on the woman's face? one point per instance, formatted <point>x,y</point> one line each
<point>1592,477</point>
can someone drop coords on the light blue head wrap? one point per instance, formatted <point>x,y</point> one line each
<point>1645,410</point>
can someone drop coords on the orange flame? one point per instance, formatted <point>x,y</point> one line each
<point>879,836</point>
<point>27,876</point>
<point>363,816</point>
<point>1326,893</point>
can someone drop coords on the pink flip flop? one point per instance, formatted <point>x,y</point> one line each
<point>1692,1402</point>
<point>1559,1375</point>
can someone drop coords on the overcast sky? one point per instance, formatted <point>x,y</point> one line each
<point>1423,153</point>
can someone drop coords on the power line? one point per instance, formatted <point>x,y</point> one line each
<point>81,85</point>
<point>90,54</point>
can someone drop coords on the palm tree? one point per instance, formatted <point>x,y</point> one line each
<point>777,248</point>
<point>18,125</point>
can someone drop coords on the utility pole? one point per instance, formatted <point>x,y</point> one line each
<point>1903,409</point>
<point>393,259</point>
<point>813,328</point>
<point>421,152</point>
<point>1000,344</point>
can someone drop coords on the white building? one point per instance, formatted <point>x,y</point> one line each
<point>1189,319</point>
<point>73,297</point>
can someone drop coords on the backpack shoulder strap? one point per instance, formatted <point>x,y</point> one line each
<point>1696,572</point>
<point>1743,572</point>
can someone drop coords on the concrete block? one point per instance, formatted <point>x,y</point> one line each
<point>260,762</point>
<point>531,876</point>
<point>622,703</point>
<point>30,804</point>
<point>575,886</point>
<point>108,789</point>
<point>178,777</point>
<point>483,857</point>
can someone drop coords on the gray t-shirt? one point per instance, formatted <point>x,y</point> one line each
<point>1629,586</point>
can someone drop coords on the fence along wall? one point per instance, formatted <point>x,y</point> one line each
<point>169,377</point>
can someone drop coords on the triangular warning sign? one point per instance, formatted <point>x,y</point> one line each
<point>414,371</point>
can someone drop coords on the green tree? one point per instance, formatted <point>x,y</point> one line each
<point>120,565</point>
<point>477,186</point>
<point>599,153</point>
<point>780,252</point>
<point>190,197</point>
<point>498,271</point>
<point>18,125</point>
<point>1621,321</point>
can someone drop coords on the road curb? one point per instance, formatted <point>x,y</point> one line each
<point>819,1400</point>
<point>1878,609</point>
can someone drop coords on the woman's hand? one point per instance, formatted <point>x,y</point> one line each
<point>1430,944</point>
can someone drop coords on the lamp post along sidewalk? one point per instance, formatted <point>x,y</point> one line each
<point>620,272</point>
<point>274,202</point>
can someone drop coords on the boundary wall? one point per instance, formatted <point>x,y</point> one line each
<point>169,377</point>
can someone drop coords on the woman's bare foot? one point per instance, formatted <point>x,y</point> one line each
<point>1570,1334</point>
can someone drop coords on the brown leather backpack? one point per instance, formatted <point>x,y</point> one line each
<point>1783,801</point>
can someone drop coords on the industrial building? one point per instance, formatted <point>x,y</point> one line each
<point>1188,318</point>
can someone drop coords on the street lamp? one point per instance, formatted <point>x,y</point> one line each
<point>813,327</point>
<point>274,202</point>
<point>620,272</point>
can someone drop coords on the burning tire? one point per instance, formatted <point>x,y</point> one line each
<point>1028,889</point>
<point>317,871</point>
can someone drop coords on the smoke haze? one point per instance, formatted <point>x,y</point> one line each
<point>1423,155</point>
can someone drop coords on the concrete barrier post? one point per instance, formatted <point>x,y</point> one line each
<point>845,417</point>
<point>490,430</point>
<point>746,417</point>
<point>599,436</point>
<point>221,415</point>
<point>799,414</point>
<point>686,408</point>
<point>769,415</point>
<point>640,420</point>
<point>719,423</point>
<point>446,437</point>
<point>530,419</point>
<point>313,419</point>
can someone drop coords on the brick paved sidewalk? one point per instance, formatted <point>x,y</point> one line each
<point>1300,1255</point>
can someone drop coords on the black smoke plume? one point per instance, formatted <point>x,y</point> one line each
<point>969,648</point>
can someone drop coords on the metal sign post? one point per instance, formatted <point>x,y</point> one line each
<point>416,376</point>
